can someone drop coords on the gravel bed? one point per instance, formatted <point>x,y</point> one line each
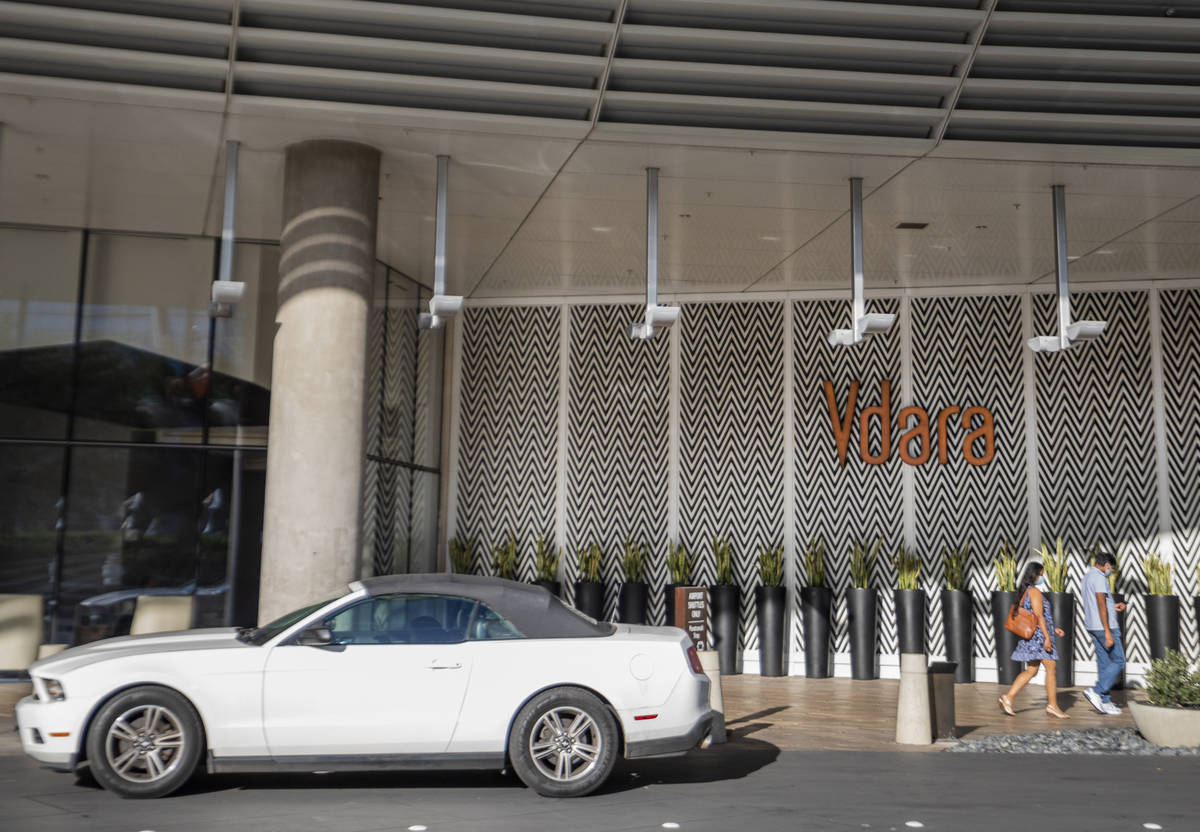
<point>1074,741</point>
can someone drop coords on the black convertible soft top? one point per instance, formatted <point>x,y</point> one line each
<point>532,610</point>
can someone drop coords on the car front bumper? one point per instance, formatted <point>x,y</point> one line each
<point>671,746</point>
<point>49,732</point>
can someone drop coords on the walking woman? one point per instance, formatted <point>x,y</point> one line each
<point>1039,650</point>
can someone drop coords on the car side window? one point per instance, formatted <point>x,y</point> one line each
<point>489,625</point>
<point>403,619</point>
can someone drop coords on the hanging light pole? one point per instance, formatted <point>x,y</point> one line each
<point>862,322</point>
<point>1068,333</point>
<point>441,305</point>
<point>656,316</point>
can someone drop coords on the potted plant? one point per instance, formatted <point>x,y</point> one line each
<point>504,559</point>
<point>679,564</point>
<point>589,591</point>
<point>1171,713</point>
<point>631,602</point>
<point>462,552</point>
<point>771,603</point>
<point>862,604</point>
<point>957,613</point>
<point>545,564</point>
<point>1003,598</point>
<point>816,603</point>
<point>910,601</point>
<point>1062,608</point>
<point>726,606</point>
<point>1118,598</point>
<point>1162,607</point>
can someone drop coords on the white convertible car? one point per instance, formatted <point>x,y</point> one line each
<point>403,672</point>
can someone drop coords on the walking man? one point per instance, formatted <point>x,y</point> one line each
<point>1100,620</point>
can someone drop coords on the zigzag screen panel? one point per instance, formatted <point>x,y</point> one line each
<point>731,438</point>
<point>508,429</point>
<point>967,352</point>
<point>1095,440</point>
<point>618,476</point>
<point>837,503</point>
<point>1180,317</point>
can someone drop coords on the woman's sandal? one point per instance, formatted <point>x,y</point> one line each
<point>1006,705</point>
<point>1050,709</point>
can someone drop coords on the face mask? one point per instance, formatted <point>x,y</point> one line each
<point>1041,582</point>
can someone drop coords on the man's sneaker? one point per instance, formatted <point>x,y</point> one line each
<point>1096,701</point>
<point>1110,708</point>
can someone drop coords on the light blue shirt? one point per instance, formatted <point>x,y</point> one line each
<point>1096,581</point>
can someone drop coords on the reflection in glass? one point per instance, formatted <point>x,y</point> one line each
<point>143,374</point>
<point>39,273</point>
<point>31,518</point>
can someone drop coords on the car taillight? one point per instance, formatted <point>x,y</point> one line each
<point>694,660</point>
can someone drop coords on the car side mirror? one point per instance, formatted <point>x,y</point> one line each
<point>316,637</point>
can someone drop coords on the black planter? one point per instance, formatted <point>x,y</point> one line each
<point>771,602</point>
<point>554,587</point>
<point>815,605</point>
<point>1196,605</point>
<point>1118,598</point>
<point>910,619</point>
<point>861,605</point>
<point>1162,619</point>
<point>957,626</point>
<point>1062,609</point>
<point>589,598</point>
<point>1007,670</point>
<point>631,603</point>
<point>669,605</point>
<point>725,616</point>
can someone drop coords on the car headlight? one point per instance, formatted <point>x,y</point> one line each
<point>54,689</point>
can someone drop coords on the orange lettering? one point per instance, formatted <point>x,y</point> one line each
<point>942,427</point>
<point>920,433</point>
<point>839,423</point>
<point>986,432</point>
<point>884,411</point>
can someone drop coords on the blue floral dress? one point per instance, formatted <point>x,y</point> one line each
<point>1034,649</point>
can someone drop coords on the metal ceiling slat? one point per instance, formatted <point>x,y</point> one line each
<point>1075,96</point>
<point>209,11</point>
<point>1024,57</point>
<point>357,87</point>
<point>98,28</point>
<point>367,17</point>
<point>1081,128</point>
<point>407,57</point>
<point>31,57</point>
<point>1093,31</point>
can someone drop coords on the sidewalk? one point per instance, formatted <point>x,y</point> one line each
<point>793,713</point>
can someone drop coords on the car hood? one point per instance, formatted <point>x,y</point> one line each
<point>109,648</point>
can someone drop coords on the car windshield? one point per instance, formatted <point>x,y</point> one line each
<point>264,634</point>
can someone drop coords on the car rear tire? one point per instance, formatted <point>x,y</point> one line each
<point>564,743</point>
<point>145,742</point>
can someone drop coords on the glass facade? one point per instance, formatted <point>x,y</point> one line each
<point>133,427</point>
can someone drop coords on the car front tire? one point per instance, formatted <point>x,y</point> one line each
<point>145,742</point>
<point>564,743</point>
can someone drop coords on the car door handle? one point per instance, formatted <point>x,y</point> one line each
<point>445,666</point>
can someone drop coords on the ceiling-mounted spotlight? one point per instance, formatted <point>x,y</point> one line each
<point>864,323</point>
<point>1068,332</point>
<point>657,317</point>
<point>441,305</point>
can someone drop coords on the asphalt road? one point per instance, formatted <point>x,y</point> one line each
<point>746,785</point>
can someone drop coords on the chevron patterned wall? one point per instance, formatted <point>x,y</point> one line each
<point>508,429</point>
<point>731,465</point>
<point>1093,422</point>
<point>968,351</point>
<point>1180,316</point>
<point>618,447</point>
<point>839,503</point>
<point>1096,452</point>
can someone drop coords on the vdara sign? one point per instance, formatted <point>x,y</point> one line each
<point>842,422</point>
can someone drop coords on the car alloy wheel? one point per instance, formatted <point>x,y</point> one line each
<point>144,744</point>
<point>565,744</point>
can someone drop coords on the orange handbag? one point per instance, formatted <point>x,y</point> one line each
<point>1021,621</point>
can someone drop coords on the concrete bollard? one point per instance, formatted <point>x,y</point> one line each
<point>710,661</point>
<point>913,725</point>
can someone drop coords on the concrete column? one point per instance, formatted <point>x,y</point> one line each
<point>315,453</point>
